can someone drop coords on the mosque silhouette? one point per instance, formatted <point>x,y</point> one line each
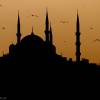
<point>35,60</point>
<point>33,50</point>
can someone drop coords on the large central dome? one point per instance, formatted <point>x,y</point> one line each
<point>33,45</point>
<point>32,40</point>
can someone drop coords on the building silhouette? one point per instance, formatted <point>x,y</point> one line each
<point>32,63</point>
<point>33,51</point>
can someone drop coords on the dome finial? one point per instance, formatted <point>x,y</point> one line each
<point>32,31</point>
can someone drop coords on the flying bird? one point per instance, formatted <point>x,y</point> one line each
<point>1,5</point>
<point>98,40</point>
<point>65,41</point>
<point>3,28</point>
<point>64,22</point>
<point>33,15</point>
<point>91,28</point>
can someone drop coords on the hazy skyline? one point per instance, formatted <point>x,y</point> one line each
<point>64,33</point>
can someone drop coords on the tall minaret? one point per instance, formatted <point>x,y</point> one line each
<point>18,34</point>
<point>78,53</point>
<point>51,36</point>
<point>47,28</point>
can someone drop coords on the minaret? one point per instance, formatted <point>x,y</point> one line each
<point>78,53</point>
<point>18,30</point>
<point>51,36</point>
<point>47,28</point>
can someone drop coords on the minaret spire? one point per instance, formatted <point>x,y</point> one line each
<point>47,20</point>
<point>47,27</point>
<point>78,22</point>
<point>78,53</point>
<point>51,36</point>
<point>18,30</point>
<point>18,24</point>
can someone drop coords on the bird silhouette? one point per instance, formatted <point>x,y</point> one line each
<point>91,28</point>
<point>3,28</point>
<point>97,40</point>
<point>33,15</point>
<point>1,5</point>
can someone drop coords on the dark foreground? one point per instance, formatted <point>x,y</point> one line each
<point>27,82</point>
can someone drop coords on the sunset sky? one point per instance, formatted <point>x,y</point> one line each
<point>64,33</point>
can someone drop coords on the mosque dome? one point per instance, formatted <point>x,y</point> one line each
<point>32,41</point>
<point>32,47</point>
<point>32,38</point>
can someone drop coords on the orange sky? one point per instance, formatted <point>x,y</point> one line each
<point>64,34</point>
